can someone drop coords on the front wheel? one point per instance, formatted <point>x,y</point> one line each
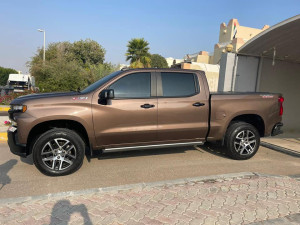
<point>242,141</point>
<point>58,152</point>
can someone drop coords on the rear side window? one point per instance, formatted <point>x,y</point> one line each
<point>136,85</point>
<point>178,84</point>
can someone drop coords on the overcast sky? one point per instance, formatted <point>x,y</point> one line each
<point>173,28</point>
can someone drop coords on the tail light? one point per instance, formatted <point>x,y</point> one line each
<point>281,100</point>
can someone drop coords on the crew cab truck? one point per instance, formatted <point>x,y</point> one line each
<point>139,109</point>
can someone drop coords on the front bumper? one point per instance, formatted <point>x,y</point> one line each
<point>15,147</point>
<point>277,129</point>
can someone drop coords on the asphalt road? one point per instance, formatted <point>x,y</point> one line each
<point>3,113</point>
<point>18,177</point>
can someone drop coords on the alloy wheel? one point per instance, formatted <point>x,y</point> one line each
<point>245,142</point>
<point>58,154</point>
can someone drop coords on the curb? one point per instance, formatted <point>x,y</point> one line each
<point>4,108</point>
<point>280,149</point>
<point>203,179</point>
<point>3,137</point>
<point>287,220</point>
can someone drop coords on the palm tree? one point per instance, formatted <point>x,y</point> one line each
<point>138,53</point>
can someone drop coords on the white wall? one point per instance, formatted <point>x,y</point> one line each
<point>246,74</point>
<point>226,71</point>
<point>241,77</point>
<point>284,77</point>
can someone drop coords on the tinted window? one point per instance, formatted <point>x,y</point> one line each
<point>135,85</point>
<point>178,84</point>
<point>100,82</point>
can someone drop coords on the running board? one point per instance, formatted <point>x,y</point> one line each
<point>142,147</point>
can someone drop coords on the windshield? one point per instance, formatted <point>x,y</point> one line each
<point>100,82</point>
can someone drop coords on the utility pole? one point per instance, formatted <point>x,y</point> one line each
<point>44,53</point>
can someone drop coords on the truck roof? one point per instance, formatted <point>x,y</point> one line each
<point>160,69</point>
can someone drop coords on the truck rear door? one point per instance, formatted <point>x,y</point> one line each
<point>183,107</point>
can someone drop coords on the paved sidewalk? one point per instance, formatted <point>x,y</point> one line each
<point>226,199</point>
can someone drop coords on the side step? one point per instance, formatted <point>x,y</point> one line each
<point>142,147</point>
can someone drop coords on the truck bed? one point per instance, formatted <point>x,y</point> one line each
<point>228,106</point>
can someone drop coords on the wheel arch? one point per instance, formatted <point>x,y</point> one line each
<point>253,119</point>
<point>42,127</point>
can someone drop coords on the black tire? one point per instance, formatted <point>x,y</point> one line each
<point>238,146</point>
<point>66,149</point>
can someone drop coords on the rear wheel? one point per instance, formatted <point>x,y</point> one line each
<point>242,141</point>
<point>58,152</point>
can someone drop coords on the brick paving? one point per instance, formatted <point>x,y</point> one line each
<point>219,200</point>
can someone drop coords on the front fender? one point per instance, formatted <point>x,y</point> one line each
<point>35,115</point>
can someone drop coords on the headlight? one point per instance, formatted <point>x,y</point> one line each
<point>18,108</point>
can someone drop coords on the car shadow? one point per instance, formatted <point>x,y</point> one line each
<point>209,148</point>
<point>4,169</point>
<point>215,149</point>
<point>63,209</point>
<point>28,160</point>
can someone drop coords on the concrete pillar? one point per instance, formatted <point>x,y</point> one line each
<point>227,71</point>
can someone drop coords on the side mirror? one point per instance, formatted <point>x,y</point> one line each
<point>107,94</point>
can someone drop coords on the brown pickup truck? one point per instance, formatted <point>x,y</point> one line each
<point>139,109</point>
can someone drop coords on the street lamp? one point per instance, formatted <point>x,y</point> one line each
<point>44,54</point>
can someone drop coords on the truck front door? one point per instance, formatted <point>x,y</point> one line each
<point>131,117</point>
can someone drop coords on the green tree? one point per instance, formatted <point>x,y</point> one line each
<point>157,61</point>
<point>99,71</point>
<point>84,52</point>
<point>88,52</point>
<point>59,75</point>
<point>4,73</point>
<point>138,53</point>
<point>69,66</point>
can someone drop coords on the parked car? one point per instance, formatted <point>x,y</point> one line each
<point>139,109</point>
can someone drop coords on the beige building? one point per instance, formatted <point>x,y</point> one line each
<point>199,57</point>
<point>201,61</point>
<point>235,34</point>
<point>211,72</point>
<point>232,33</point>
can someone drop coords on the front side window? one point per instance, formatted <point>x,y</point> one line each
<point>100,82</point>
<point>178,84</point>
<point>137,85</point>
